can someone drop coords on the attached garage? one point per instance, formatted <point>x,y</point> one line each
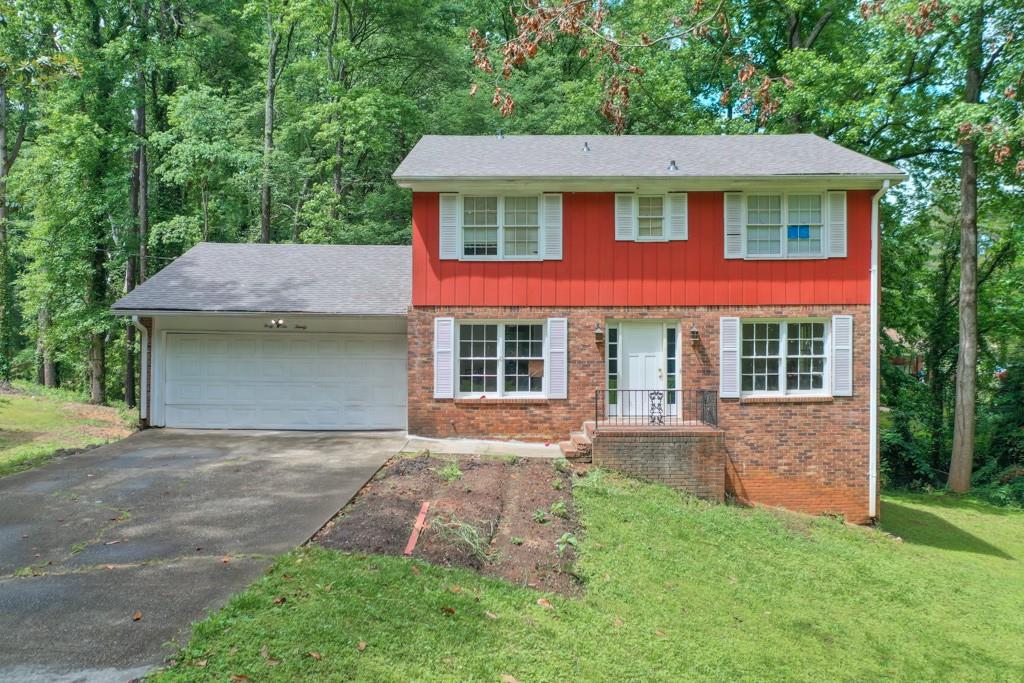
<point>276,337</point>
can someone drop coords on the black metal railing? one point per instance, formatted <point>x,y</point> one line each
<point>656,407</point>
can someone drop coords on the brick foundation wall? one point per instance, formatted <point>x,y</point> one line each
<point>690,461</point>
<point>809,455</point>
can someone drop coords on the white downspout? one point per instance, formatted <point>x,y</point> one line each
<point>873,399</point>
<point>144,370</point>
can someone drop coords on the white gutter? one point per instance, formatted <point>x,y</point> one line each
<point>873,398</point>
<point>144,370</point>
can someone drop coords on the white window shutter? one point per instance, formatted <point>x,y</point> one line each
<point>729,357</point>
<point>733,225</point>
<point>552,227</point>
<point>625,223</point>
<point>448,227</point>
<point>444,357</point>
<point>558,355</point>
<point>836,224</point>
<point>842,355</point>
<point>678,216</point>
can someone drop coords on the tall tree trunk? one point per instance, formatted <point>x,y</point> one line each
<point>8,320</point>
<point>962,459</point>
<point>47,368</point>
<point>268,131</point>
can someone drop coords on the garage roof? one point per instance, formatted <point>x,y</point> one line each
<point>280,278</point>
<point>444,157</point>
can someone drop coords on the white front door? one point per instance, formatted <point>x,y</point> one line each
<point>643,354</point>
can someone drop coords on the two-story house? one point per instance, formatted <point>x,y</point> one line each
<point>701,310</point>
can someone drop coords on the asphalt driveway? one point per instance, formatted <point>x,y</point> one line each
<point>166,523</point>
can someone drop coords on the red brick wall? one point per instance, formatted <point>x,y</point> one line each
<point>810,456</point>
<point>689,460</point>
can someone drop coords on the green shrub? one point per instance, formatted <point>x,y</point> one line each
<point>450,472</point>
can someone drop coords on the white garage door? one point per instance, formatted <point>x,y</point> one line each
<point>285,381</point>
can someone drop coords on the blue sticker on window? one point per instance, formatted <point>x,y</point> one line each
<point>805,232</point>
<point>793,232</point>
<point>798,232</point>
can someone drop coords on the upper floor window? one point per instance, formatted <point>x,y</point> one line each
<point>650,217</point>
<point>782,225</point>
<point>500,227</point>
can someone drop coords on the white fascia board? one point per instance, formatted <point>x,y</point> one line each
<point>535,184</point>
<point>153,313</point>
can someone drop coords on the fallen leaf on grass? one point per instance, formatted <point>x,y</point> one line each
<point>448,610</point>
<point>264,652</point>
<point>238,678</point>
<point>361,646</point>
<point>491,615</point>
<point>619,623</point>
<point>661,634</point>
<point>506,678</point>
<point>137,616</point>
<point>201,663</point>
<point>455,589</point>
<point>545,604</point>
<point>315,655</point>
<point>273,662</point>
<point>280,600</point>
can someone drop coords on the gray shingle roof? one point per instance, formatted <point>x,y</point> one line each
<point>284,278</point>
<point>632,156</point>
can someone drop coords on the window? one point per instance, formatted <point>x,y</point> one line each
<point>501,227</point>
<point>803,224</point>
<point>480,226</point>
<point>785,225</point>
<point>613,365</point>
<point>783,357</point>
<point>764,223</point>
<point>650,217</point>
<point>501,359</point>
<point>522,226</point>
<point>670,364</point>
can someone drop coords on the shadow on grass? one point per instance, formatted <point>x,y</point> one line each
<point>916,526</point>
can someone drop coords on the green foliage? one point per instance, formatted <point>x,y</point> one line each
<point>540,516</point>
<point>464,536</point>
<point>559,509</point>
<point>450,472</point>
<point>561,465</point>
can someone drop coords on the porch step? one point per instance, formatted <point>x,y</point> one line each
<point>568,449</point>
<point>590,428</point>
<point>582,445</point>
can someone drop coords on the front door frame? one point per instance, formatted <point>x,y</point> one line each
<point>621,325</point>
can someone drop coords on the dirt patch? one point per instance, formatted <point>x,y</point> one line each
<point>508,518</point>
<point>100,421</point>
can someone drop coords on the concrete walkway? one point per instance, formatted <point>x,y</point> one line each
<point>521,449</point>
<point>168,523</point>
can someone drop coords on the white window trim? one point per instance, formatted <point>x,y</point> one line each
<point>826,381</point>
<point>541,232</point>
<point>500,393</point>
<point>665,218</point>
<point>784,246</point>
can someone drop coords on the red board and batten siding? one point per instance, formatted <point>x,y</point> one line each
<point>596,270</point>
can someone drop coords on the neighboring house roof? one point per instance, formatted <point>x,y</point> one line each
<point>437,157</point>
<point>280,278</point>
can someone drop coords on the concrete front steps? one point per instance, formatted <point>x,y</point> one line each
<point>580,445</point>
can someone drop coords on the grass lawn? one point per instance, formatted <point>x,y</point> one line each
<point>676,589</point>
<point>36,423</point>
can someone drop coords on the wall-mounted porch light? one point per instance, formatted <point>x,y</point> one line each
<point>598,333</point>
<point>694,334</point>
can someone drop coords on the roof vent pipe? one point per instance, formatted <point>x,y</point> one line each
<point>672,165</point>
<point>586,146</point>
